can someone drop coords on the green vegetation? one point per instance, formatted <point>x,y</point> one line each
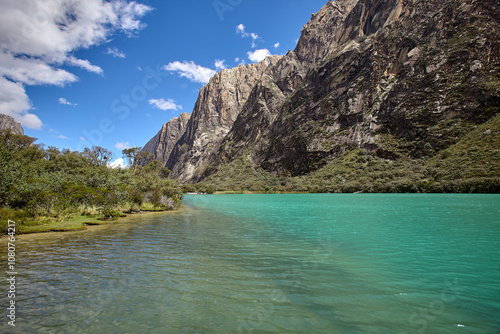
<point>44,189</point>
<point>472,165</point>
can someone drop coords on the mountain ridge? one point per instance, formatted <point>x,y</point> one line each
<point>395,78</point>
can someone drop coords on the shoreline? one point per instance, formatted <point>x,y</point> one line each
<point>82,224</point>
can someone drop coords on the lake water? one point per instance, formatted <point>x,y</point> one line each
<point>326,263</point>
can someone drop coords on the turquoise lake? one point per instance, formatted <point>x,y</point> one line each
<point>301,263</point>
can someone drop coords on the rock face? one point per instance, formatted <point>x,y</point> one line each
<point>218,105</point>
<point>165,140</point>
<point>7,122</point>
<point>397,78</point>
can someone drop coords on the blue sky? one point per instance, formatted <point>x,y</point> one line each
<point>89,72</point>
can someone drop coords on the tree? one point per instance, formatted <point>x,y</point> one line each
<point>12,169</point>
<point>136,157</point>
<point>98,156</point>
<point>131,155</point>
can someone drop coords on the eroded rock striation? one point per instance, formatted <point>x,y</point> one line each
<point>397,78</point>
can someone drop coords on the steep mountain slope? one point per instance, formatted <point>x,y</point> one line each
<point>165,140</point>
<point>218,105</point>
<point>398,79</point>
<point>7,122</point>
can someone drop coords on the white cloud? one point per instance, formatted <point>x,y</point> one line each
<point>191,71</point>
<point>219,64</point>
<point>14,102</point>
<point>122,145</point>
<point>258,55</point>
<point>85,64</point>
<point>240,29</point>
<point>32,71</point>
<point>62,100</point>
<point>130,13</point>
<point>62,137</point>
<point>164,105</point>
<point>277,45</point>
<point>38,36</point>
<point>118,163</point>
<point>115,53</point>
<point>82,138</point>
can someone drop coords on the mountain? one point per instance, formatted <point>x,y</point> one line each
<point>401,82</point>
<point>163,143</point>
<point>7,122</point>
<point>218,105</point>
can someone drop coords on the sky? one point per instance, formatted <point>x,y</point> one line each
<point>78,73</point>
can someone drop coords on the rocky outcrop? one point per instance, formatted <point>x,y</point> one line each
<point>325,31</point>
<point>7,122</point>
<point>165,140</point>
<point>219,104</point>
<point>397,78</point>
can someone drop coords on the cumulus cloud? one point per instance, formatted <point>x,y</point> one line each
<point>26,70</point>
<point>38,36</point>
<point>240,29</point>
<point>165,105</point>
<point>118,163</point>
<point>122,145</point>
<point>62,100</point>
<point>14,102</point>
<point>115,53</point>
<point>220,64</point>
<point>277,45</point>
<point>258,55</point>
<point>191,71</point>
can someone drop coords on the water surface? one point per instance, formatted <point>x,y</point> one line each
<point>272,263</point>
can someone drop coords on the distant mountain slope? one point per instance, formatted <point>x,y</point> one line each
<point>7,122</point>
<point>398,79</point>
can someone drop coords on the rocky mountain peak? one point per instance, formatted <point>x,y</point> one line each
<point>395,78</point>
<point>7,122</point>
<point>323,32</point>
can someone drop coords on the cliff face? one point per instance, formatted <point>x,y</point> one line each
<point>397,78</point>
<point>165,140</point>
<point>7,122</point>
<point>325,31</point>
<point>218,105</point>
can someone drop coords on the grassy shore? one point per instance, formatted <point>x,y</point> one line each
<point>69,224</point>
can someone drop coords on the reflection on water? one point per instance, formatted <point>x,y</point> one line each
<point>276,263</point>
